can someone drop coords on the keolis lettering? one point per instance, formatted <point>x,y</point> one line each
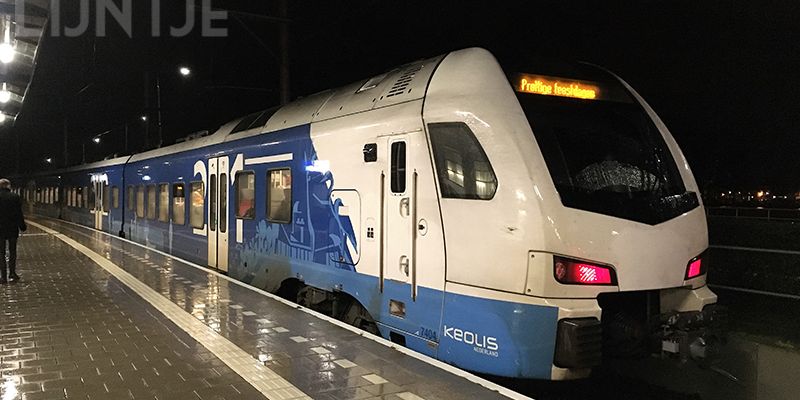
<point>483,344</point>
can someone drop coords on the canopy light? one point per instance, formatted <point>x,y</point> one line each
<point>2,118</point>
<point>143,118</point>
<point>6,48</point>
<point>5,95</point>
<point>185,71</point>
<point>96,139</point>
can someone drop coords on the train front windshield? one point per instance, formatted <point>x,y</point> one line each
<point>603,151</point>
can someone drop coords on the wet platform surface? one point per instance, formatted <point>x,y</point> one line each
<point>73,329</point>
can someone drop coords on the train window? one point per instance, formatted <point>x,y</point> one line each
<point>212,204</point>
<point>163,202</point>
<point>198,203</point>
<point>463,168</point>
<point>88,197</point>
<point>106,197</point>
<point>178,204</point>
<point>56,194</point>
<point>80,196</point>
<point>245,194</point>
<point>131,199</point>
<point>151,201</point>
<point>115,196</point>
<point>140,201</point>
<point>399,167</point>
<point>223,203</point>
<point>279,195</point>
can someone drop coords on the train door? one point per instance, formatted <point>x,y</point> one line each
<point>218,213</point>
<point>399,213</point>
<point>99,210</point>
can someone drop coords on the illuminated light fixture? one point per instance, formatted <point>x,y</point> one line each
<point>321,166</point>
<point>2,118</point>
<point>574,272</point>
<point>48,160</point>
<point>143,118</point>
<point>6,48</point>
<point>96,139</point>
<point>695,268</point>
<point>5,94</point>
<point>185,71</point>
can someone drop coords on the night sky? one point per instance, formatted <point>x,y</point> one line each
<point>722,75</point>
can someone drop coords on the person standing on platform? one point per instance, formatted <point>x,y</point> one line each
<point>11,223</point>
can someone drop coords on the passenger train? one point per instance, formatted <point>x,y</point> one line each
<point>518,223</point>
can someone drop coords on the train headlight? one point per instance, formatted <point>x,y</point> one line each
<point>695,268</point>
<point>574,272</point>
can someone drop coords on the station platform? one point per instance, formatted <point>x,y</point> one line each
<point>98,317</point>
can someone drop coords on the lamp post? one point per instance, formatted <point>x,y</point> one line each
<point>184,72</point>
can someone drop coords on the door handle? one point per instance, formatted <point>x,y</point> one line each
<point>404,265</point>
<point>405,206</point>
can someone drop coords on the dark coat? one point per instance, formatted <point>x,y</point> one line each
<point>11,219</point>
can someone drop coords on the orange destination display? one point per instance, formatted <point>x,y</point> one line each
<point>553,86</point>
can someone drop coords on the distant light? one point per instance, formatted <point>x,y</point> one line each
<point>49,160</point>
<point>5,95</point>
<point>146,178</point>
<point>6,53</point>
<point>2,118</point>
<point>6,48</point>
<point>185,71</point>
<point>96,139</point>
<point>143,118</point>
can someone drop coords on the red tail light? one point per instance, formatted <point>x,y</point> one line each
<point>574,272</point>
<point>695,268</point>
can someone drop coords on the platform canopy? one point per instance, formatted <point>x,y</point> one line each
<point>22,26</point>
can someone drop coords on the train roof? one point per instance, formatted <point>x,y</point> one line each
<point>404,83</point>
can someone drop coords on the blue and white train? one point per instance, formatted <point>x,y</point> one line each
<point>514,224</point>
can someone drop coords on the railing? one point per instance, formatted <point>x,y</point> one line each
<point>777,214</point>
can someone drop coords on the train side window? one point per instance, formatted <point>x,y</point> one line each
<point>151,201</point>
<point>115,196</point>
<point>398,167</point>
<point>140,201</point>
<point>197,206</point>
<point>212,202</point>
<point>178,204</point>
<point>223,203</point>
<point>131,199</point>
<point>279,195</point>
<point>464,169</point>
<point>56,194</point>
<point>79,196</point>
<point>87,197</point>
<point>106,197</point>
<point>245,190</point>
<point>163,202</point>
